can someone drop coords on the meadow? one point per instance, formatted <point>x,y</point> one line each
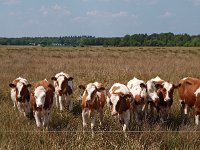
<point>88,64</point>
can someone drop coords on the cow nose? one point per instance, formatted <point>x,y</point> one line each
<point>88,103</point>
<point>166,99</point>
<point>19,98</point>
<point>39,105</point>
<point>113,113</point>
<point>60,92</point>
<point>156,100</point>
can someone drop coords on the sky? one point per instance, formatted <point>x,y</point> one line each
<point>99,18</point>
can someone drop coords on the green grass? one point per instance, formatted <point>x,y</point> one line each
<point>88,64</point>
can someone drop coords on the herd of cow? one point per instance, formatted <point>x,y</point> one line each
<point>139,97</point>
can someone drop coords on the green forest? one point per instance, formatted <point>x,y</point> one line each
<point>162,39</point>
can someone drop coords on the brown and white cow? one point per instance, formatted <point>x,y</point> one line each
<point>189,93</point>
<point>93,101</point>
<point>160,96</point>
<point>20,95</point>
<point>138,90</point>
<point>63,90</point>
<point>119,100</point>
<point>41,100</point>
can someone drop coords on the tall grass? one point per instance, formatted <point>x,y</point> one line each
<point>88,64</point>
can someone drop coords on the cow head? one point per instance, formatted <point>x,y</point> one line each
<point>139,93</point>
<point>21,90</point>
<point>90,93</point>
<point>61,83</point>
<point>40,96</point>
<point>118,102</point>
<point>151,90</point>
<point>165,90</point>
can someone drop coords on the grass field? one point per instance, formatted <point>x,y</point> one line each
<point>88,64</point>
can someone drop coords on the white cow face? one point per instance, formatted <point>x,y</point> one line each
<point>40,95</point>
<point>112,102</point>
<point>139,93</point>
<point>167,90</point>
<point>20,90</point>
<point>60,84</point>
<point>151,90</point>
<point>91,92</point>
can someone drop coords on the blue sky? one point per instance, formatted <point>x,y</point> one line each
<point>100,18</point>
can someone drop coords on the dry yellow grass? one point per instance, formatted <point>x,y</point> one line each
<point>88,64</point>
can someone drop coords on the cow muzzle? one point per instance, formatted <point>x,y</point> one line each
<point>60,92</point>
<point>114,113</point>
<point>20,98</point>
<point>88,103</point>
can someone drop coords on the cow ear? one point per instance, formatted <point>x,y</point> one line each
<point>100,89</point>
<point>53,78</point>
<point>176,86</point>
<point>70,78</point>
<point>12,85</point>
<point>51,86</point>
<point>29,85</point>
<point>158,86</point>
<point>82,87</point>
<point>108,93</point>
<point>142,85</point>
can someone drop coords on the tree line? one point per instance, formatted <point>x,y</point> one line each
<point>162,39</point>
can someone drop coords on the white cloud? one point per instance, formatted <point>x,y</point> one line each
<point>166,15</point>
<point>54,10</point>
<point>93,13</point>
<point>120,14</point>
<point>97,13</point>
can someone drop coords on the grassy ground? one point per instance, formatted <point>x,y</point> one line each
<point>88,64</point>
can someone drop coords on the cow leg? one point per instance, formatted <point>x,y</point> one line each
<point>184,112</point>
<point>37,116</point>
<point>150,113</point>
<point>60,103</point>
<point>126,118</point>
<point>27,109</point>
<point>93,119</point>
<point>163,114</point>
<point>84,118</point>
<point>49,116</point>
<point>197,119</point>
<point>20,107</point>
<point>101,116</point>
<point>45,120</point>
<point>56,100</point>
<point>69,102</point>
<point>137,117</point>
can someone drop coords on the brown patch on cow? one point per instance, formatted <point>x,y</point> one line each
<point>138,99</point>
<point>25,95</point>
<point>115,88</point>
<point>96,101</point>
<point>123,104</point>
<point>65,88</point>
<point>186,90</point>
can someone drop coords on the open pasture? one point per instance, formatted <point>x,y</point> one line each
<point>88,64</point>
